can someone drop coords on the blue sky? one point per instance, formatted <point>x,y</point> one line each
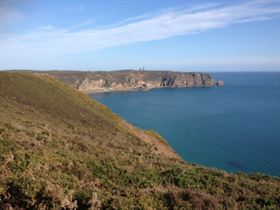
<point>158,34</point>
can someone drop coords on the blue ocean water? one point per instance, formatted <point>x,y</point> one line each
<point>233,128</point>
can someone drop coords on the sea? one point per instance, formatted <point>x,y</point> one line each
<point>231,128</point>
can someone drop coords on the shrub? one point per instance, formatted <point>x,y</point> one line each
<point>83,199</point>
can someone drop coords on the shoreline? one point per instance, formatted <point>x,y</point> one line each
<point>140,90</point>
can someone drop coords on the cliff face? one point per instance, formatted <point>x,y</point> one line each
<point>134,80</point>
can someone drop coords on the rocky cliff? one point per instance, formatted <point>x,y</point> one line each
<point>125,80</point>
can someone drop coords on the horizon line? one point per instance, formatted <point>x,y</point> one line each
<point>130,69</point>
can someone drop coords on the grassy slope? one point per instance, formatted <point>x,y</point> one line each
<point>59,148</point>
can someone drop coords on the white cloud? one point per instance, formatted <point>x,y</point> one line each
<point>170,23</point>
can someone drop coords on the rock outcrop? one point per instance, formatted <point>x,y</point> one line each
<point>126,80</point>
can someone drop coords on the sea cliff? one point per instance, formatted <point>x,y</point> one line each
<point>127,80</point>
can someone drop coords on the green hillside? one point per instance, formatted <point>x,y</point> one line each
<point>59,149</point>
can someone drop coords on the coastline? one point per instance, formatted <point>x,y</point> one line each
<point>133,80</point>
<point>99,91</point>
<point>207,116</point>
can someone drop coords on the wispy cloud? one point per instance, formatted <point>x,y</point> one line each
<point>170,23</point>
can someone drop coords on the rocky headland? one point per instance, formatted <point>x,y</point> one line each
<point>129,80</point>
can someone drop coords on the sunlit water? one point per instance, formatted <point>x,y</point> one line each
<point>234,128</point>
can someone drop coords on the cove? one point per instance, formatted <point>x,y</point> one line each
<point>233,128</point>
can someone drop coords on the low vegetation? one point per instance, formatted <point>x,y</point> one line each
<point>59,149</point>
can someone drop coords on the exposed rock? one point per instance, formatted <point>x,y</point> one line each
<point>220,83</point>
<point>126,80</point>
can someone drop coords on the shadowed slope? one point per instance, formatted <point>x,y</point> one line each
<point>59,148</point>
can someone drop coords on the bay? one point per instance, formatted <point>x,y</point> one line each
<point>233,128</point>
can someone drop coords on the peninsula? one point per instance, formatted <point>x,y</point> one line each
<point>128,80</point>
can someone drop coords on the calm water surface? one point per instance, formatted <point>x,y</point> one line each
<point>234,128</point>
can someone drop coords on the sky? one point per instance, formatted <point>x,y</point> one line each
<point>185,35</point>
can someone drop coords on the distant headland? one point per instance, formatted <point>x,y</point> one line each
<point>133,80</point>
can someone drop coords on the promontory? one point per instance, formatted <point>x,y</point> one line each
<point>127,80</point>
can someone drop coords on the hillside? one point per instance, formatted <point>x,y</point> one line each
<point>59,149</point>
<point>125,80</point>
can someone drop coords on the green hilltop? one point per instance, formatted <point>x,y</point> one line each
<point>59,149</point>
